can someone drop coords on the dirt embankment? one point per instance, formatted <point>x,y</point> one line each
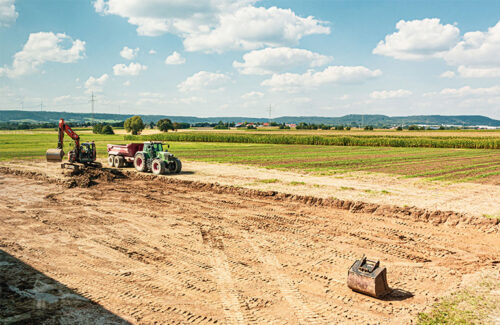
<point>154,249</point>
<point>93,176</point>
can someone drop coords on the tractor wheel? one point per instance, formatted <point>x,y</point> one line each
<point>175,166</point>
<point>178,166</point>
<point>140,162</point>
<point>158,167</point>
<point>119,161</point>
<point>111,160</point>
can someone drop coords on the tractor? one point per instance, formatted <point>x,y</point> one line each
<point>153,158</point>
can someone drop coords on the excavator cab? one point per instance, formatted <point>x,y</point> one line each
<point>87,152</point>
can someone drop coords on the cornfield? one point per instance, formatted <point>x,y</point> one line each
<point>333,140</point>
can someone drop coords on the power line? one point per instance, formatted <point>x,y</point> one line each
<point>92,101</point>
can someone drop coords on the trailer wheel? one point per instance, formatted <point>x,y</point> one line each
<point>158,167</point>
<point>111,160</point>
<point>119,161</point>
<point>140,162</point>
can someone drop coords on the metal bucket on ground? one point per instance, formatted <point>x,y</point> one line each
<point>54,155</point>
<point>368,277</point>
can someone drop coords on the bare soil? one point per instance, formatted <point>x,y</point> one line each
<point>146,249</point>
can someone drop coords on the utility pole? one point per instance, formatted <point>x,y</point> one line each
<point>92,101</point>
<point>41,105</point>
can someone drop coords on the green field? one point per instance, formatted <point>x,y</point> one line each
<point>332,139</point>
<point>445,164</point>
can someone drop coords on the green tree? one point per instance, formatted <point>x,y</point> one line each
<point>97,128</point>
<point>107,129</point>
<point>151,125</point>
<point>134,124</point>
<point>164,125</point>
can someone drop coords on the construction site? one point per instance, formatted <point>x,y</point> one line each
<point>109,245</point>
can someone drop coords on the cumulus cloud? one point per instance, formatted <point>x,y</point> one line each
<point>96,84</point>
<point>175,58</point>
<point>387,94</point>
<point>251,28</point>
<point>333,74</point>
<point>203,80</point>
<point>271,60</point>
<point>128,53</point>
<point>418,39</point>
<point>468,91</point>
<point>252,95</point>
<point>215,25</point>
<point>133,69</point>
<point>8,13</point>
<point>44,47</point>
<point>127,83</point>
<point>152,51</point>
<point>447,74</point>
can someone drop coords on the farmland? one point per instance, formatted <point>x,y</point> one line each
<point>447,164</point>
<point>248,233</point>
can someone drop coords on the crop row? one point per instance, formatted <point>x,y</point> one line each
<point>335,140</point>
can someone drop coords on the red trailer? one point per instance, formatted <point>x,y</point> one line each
<point>120,155</point>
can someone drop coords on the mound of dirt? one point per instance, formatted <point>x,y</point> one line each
<point>91,176</point>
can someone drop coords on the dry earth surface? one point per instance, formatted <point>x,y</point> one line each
<point>126,247</point>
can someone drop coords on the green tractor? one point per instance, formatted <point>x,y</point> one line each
<point>153,158</point>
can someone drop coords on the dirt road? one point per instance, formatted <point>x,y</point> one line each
<point>156,252</point>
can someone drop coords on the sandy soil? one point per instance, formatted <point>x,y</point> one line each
<point>469,198</point>
<point>149,250</point>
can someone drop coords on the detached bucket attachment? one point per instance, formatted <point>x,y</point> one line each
<point>368,277</point>
<point>54,155</point>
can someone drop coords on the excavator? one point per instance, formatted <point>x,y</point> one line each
<point>83,154</point>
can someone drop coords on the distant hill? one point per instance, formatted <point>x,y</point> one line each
<point>376,120</point>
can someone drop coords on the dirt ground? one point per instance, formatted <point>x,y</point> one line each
<point>142,249</point>
<point>469,198</point>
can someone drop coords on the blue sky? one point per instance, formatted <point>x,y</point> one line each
<point>235,58</point>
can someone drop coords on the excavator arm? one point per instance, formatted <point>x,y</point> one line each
<point>64,128</point>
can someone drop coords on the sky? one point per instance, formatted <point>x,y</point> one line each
<point>242,57</point>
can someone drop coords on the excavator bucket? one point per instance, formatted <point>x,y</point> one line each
<point>54,155</point>
<point>368,277</point>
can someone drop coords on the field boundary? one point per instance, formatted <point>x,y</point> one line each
<point>331,140</point>
<point>435,217</point>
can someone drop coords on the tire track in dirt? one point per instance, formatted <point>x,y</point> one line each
<point>303,313</point>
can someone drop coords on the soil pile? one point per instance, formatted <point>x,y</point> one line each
<point>91,176</point>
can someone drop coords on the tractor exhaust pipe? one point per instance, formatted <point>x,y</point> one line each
<point>54,155</point>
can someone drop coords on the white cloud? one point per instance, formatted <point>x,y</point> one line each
<point>61,98</point>
<point>332,74</point>
<point>152,51</point>
<point>468,91</point>
<point>447,74</point>
<point>271,60</point>
<point>8,14</point>
<point>96,84</point>
<point>133,69</point>
<point>418,39</point>
<point>387,94</point>
<point>252,95</point>
<point>477,49</point>
<point>215,25</point>
<point>299,100</point>
<point>175,58</point>
<point>189,100</point>
<point>251,28</point>
<point>128,53</point>
<point>126,83</point>
<point>203,80</point>
<point>44,47</point>
<point>470,72</point>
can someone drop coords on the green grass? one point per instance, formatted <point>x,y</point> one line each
<point>446,164</point>
<point>336,140</point>
<point>474,305</point>
<point>294,183</point>
<point>270,180</point>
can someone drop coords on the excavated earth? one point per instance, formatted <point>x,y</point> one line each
<point>109,246</point>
